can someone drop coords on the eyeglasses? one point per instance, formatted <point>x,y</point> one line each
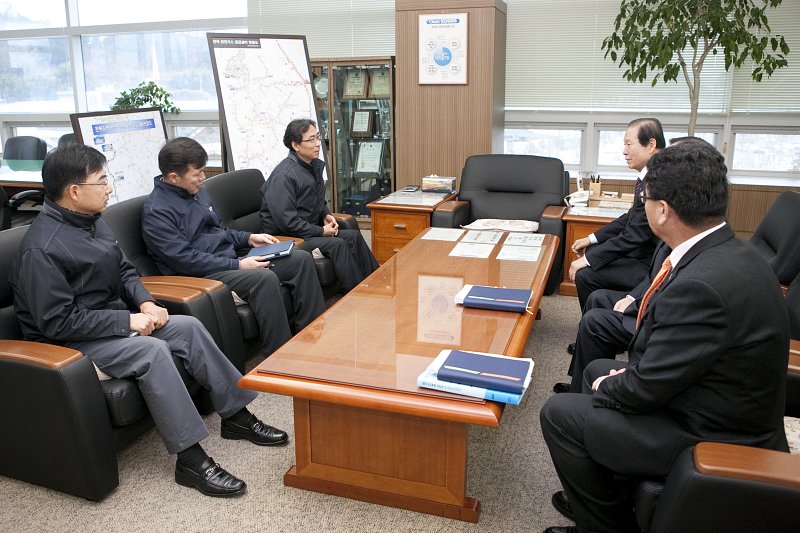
<point>643,196</point>
<point>104,183</point>
<point>316,138</point>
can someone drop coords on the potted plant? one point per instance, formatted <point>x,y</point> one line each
<point>146,94</point>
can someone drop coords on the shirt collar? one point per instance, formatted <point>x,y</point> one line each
<point>680,250</point>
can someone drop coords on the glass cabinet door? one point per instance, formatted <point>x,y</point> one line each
<point>320,85</point>
<point>355,107</point>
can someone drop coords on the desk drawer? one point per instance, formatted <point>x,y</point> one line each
<point>385,248</point>
<point>398,225</point>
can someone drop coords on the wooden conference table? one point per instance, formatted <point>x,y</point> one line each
<point>363,429</point>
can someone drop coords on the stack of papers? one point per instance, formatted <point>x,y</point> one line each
<point>496,224</point>
<point>521,247</point>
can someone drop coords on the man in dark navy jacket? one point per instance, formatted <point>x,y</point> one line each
<point>74,287</point>
<point>185,236</point>
<point>707,362</point>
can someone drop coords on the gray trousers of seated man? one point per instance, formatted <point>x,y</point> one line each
<point>148,360</point>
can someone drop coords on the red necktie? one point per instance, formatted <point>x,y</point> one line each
<point>666,266</point>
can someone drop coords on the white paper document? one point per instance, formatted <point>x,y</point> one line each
<point>413,198</point>
<point>519,253</point>
<point>472,249</point>
<point>524,239</point>
<point>485,237</point>
<point>503,225</point>
<point>443,234</point>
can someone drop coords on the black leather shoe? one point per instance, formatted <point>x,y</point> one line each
<point>558,388</point>
<point>255,431</point>
<point>561,503</point>
<point>211,480</point>
<point>571,349</point>
<point>561,529</point>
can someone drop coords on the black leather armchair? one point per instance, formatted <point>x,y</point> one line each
<point>48,390</point>
<point>19,152</point>
<point>517,187</point>
<point>237,199</point>
<point>776,236</point>
<point>216,309</point>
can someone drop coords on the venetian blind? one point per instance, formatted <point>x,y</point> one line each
<point>333,28</point>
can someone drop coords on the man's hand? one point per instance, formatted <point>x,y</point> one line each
<point>624,303</point>
<point>581,244</point>
<point>142,323</point>
<point>329,230</point>
<point>253,262</point>
<point>159,315</point>
<point>599,380</point>
<point>576,265</point>
<point>330,219</point>
<point>261,239</point>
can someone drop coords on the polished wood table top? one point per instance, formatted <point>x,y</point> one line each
<point>368,349</point>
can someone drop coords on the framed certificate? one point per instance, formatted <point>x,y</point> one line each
<point>370,154</point>
<point>363,121</point>
<point>379,83</point>
<point>355,84</point>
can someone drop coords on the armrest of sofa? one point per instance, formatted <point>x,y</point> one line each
<point>794,357</point>
<point>200,284</point>
<point>51,390</point>
<point>451,214</point>
<point>34,195</point>
<point>173,293</point>
<point>38,353</point>
<point>748,463</point>
<point>554,211</point>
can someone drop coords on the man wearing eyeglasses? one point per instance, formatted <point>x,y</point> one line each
<point>74,287</point>
<point>293,203</point>
<point>185,236</point>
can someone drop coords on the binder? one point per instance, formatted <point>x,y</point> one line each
<point>496,372</point>
<point>272,251</point>
<point>497,298</point>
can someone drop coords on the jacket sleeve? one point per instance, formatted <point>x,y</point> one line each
<point>281,200</point>
<point>53,306</point>
<point>165,241</point>
<point>135,292</point>
<point>685,340</point>
<point>635,233</point>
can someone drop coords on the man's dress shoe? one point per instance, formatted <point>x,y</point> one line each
<point>558,388</point>
<point>255,431</point>
<point>561,503</point>
<point>571,349</point>
<point>211,479</point>
<point>561,529</point>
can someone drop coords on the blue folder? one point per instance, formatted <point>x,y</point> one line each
<point>498,298</point>
<point>506,374</point>
<point>272,251</point>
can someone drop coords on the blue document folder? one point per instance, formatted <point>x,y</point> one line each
<point>498,298</point>
<point>501,373</point>
<point>272,251</point>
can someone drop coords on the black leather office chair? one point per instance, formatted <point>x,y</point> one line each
<point>67,138</point>
<point>217,313</point>
<point>237,199</point>
<point>10,213</point>
<point>516,187</point>
<point>18,153</point>
<point>776,236</point>
<point>62,425</point>
<point>23,148</point>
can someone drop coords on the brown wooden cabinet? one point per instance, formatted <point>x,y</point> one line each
<point>578,227</point>
<point>394,225</point>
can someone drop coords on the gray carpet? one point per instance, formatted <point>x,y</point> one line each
<point>510,472</point>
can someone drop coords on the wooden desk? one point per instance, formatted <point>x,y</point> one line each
<point>394,225</point>
<point>363,429</point>
<point>581,222</point>
<point>20,175</point>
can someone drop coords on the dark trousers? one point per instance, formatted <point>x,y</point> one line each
<point>351,257</point>
<point>148,360</point>
<point>602,333</point>
<point>592,446</point>
<point>261,289</point>
<point>622,274</point>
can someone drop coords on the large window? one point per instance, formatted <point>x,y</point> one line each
<point>563,144</point>
<point>766,152</point>
<point>610,145</point>
<point>35,75</point>
<point>93,12</point>
<point>31,14</point>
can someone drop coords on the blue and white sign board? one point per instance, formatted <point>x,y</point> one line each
<point>443,49</point>
<point>130,140</point>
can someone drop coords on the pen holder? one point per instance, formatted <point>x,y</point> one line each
<point>595,190</point>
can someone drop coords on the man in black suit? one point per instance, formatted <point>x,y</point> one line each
<point>707,362</point>
<point>618,255</point>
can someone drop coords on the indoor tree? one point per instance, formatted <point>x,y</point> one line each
<point>146,94</point>
<point>667,38</point>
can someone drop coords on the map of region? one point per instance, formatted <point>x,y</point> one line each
<point>131,142</point>
<point>263,83</point>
